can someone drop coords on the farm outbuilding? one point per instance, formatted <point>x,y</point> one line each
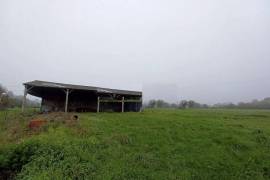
<point>77,98</point>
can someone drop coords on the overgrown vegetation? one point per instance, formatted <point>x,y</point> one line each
<point>9,100</point>
<point>154,144</point>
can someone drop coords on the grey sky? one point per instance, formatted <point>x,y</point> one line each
<point>210,51</point>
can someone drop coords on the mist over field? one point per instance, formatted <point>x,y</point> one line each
<point>199,75</point>
<point>208,51</point>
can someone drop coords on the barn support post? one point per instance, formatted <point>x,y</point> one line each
<point>26,90</point>
<point>98,104</point>
<point>123,104</point>
<point>24,98</point>
<point>141,105</point>
<point>66,104</point>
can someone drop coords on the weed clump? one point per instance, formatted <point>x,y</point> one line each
<point>122,139</point>
<point>29,159</point>
<point>261,138</point>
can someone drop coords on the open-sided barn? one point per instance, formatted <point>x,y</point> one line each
<point>76,98</point>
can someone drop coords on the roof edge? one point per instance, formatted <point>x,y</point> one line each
<point>49,84</point>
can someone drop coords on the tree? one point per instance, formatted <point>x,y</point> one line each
<point>2,89</point>
<point>183,104</point>
<point>9,100</point>
<point>4,101</point>
<point>151,104</point>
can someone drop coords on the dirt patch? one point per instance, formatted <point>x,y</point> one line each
<point>36,124</point>
<point>23,125</point>
<point>58,117</point>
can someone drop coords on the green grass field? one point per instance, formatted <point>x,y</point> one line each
<point>154,144</point>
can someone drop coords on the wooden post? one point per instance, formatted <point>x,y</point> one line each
<point>66,105</point>
<point>24,98</point>
<point>123,104</point>
<point>98,103</point>
<point>141,104</point>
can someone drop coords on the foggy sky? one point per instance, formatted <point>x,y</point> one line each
<point>209,51</point>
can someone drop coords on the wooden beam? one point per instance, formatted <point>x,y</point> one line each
<point>26,90</point>
<point>98,104</point>
<point>66,104</point>
<point>123,101</point>
<point>141,105</point>
<point>24,98</point>
<point>123,104</point>
<point>120,101</point>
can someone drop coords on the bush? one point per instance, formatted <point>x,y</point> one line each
<point>33,159</point>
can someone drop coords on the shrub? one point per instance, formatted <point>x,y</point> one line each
<point>34,158</point>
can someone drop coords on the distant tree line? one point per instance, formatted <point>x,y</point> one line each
<point>186,104</point>
<point>255,104</point>
<point>9,100</point>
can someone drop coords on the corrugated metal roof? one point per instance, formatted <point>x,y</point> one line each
<point>47,84</point>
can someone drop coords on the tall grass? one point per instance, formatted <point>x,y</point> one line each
<point>154,144</point>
